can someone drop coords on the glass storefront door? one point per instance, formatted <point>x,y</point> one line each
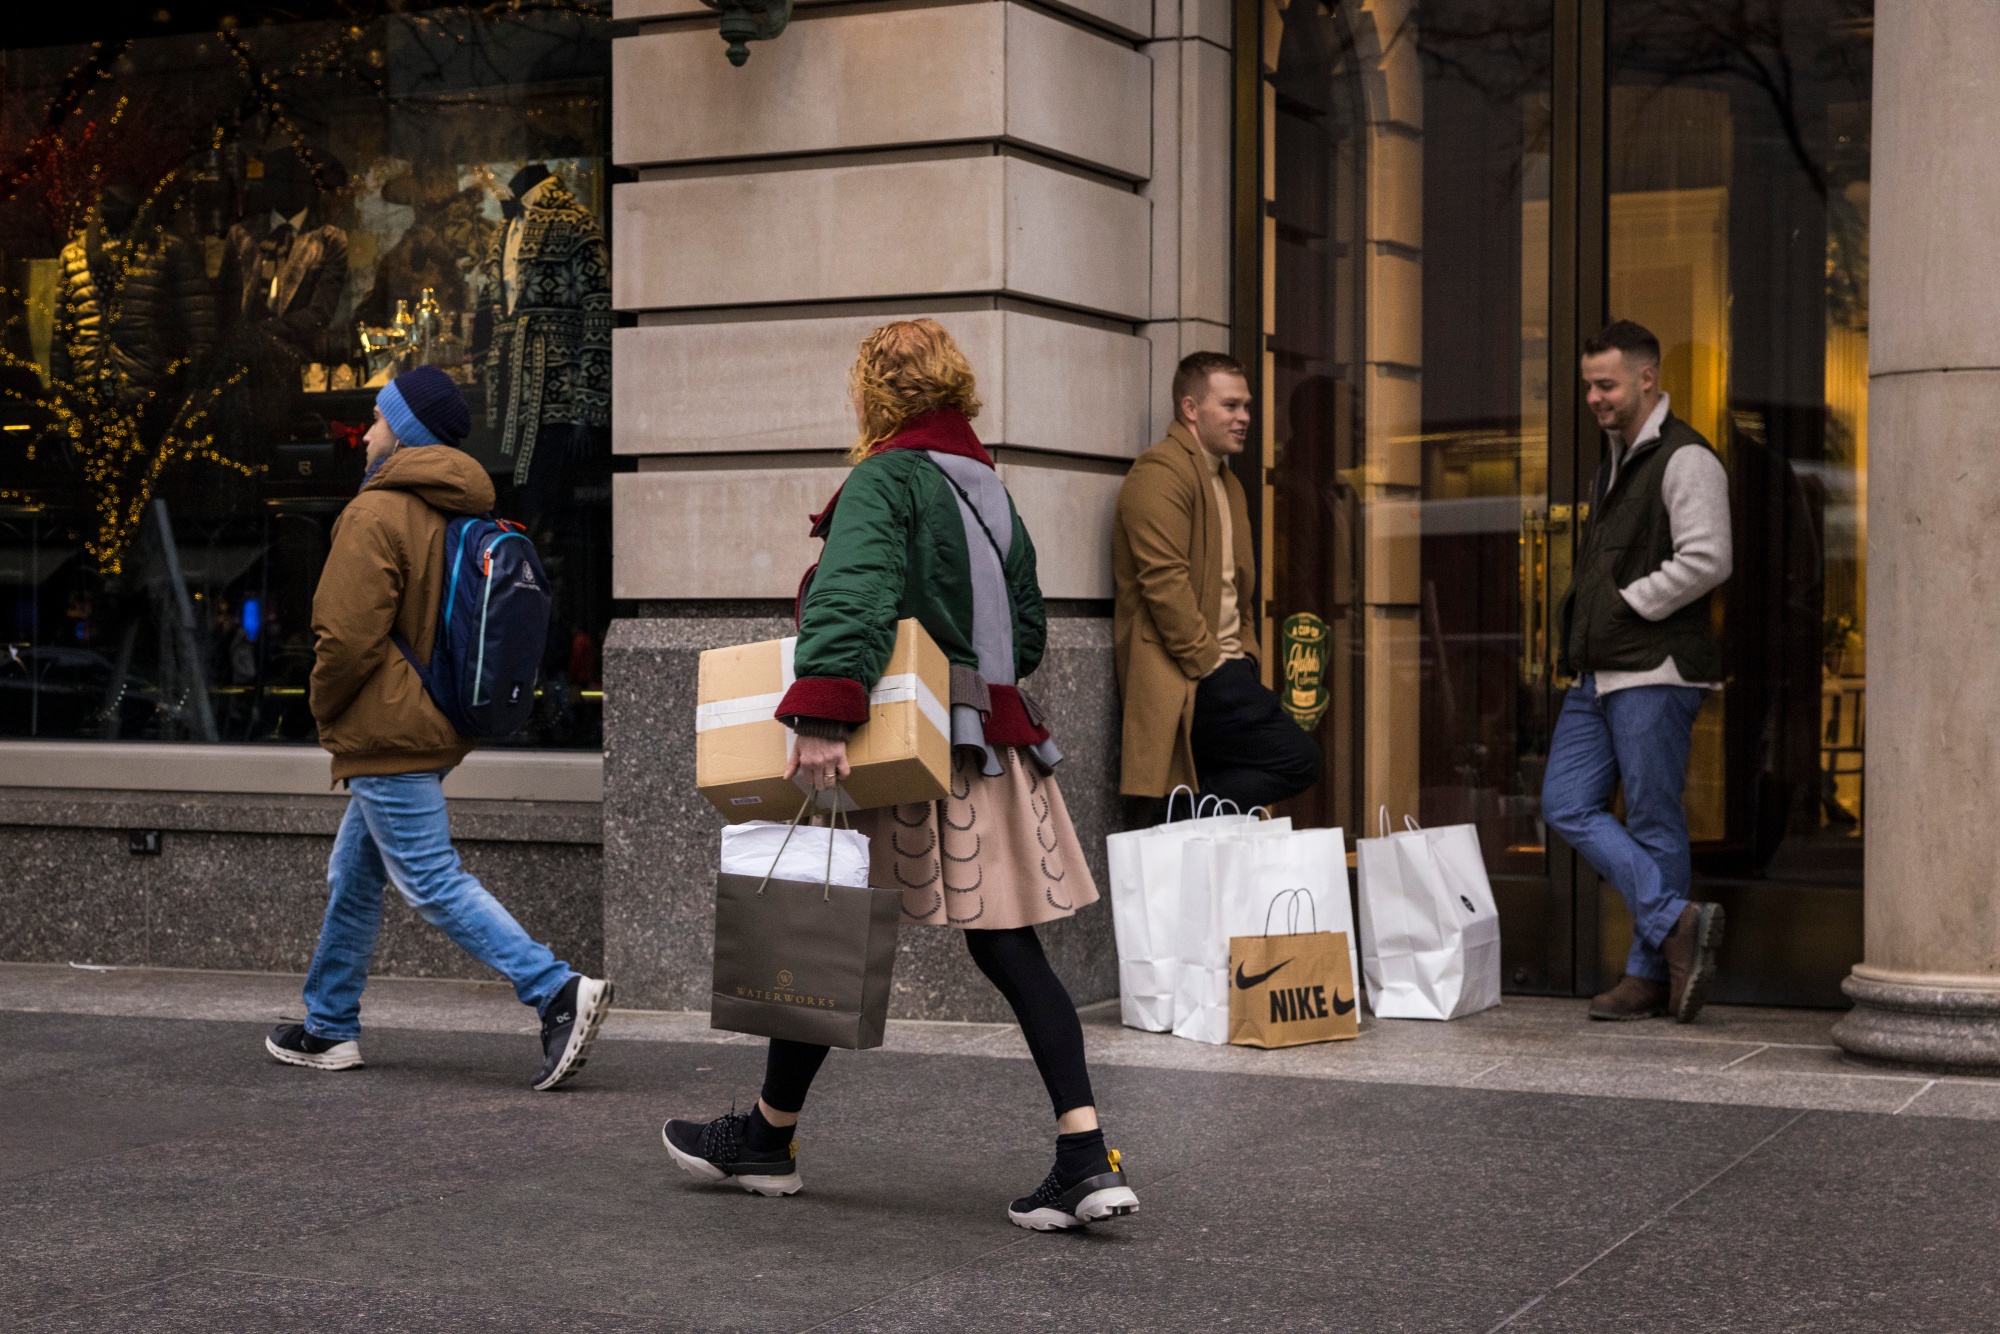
<point>1430,262</point>
<point>1738,211</point>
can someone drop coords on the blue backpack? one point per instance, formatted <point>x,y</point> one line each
<point>493,622</point>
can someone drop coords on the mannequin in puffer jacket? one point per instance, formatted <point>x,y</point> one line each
<point>131,299</point>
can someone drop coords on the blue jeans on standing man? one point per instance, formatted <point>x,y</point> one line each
<point>396,832</point>
<point>1640,736</point>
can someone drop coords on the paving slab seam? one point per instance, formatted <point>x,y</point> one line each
<point>1747,1055</point>
<point>1614,1246</point>
<point>1928,1086</point>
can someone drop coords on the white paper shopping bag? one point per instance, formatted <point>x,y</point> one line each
<point>1145,867</point>
<point>1430,934</point>
<point>1253,880</point>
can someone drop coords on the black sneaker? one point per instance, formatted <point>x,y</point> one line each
<point>721,1150</point>
<point>569,1026</point>
<point>1091,1199</point>
<point>291,1044</point>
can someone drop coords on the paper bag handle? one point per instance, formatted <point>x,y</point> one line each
<point>1382,822</point>
<point>1291,898</point>
<point>1178,789</point>
<point>826,888</point>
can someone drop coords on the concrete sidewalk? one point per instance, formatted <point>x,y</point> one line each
<point>158,1172</point>
<point>1735,1055</point>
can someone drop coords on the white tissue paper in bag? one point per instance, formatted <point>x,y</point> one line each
<point>750,849</point>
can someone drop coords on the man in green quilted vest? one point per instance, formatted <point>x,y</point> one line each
<point>1637,638</point>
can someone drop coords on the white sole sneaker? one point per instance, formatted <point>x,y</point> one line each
<point>703,1170</point>
<point>593,1002</point>
<point>340,1056</point>
<point>1098,1205</point>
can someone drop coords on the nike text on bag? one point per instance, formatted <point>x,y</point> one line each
<point>493,622</point>
<point>1291,989</point>
<point>1145,869</point>
<point>1232,881</point>
<point>1430,936</point>
<point>806,959</point>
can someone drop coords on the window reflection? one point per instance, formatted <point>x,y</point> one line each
<point>221,245</point>
<point>1739,179</point>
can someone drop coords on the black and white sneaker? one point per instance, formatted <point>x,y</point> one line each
<point>291,1044</point>
<point>569,1026</point>
<point>720,1151</point>
<point>1057,1206</point>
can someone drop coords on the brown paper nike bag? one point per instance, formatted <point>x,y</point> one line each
<point>1289,990</point>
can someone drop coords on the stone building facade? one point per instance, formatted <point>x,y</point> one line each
<point>1404,218</point>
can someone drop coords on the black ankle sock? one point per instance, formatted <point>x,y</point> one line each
<point>1080,1154</point>
<point>764,1136</point>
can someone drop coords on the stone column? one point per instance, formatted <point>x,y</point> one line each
<point>1928,993</point>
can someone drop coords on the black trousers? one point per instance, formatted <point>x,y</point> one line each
<point>1012,961</point>
<point>1246,749</point>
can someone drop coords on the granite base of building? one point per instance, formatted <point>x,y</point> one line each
<point>239,882</point>
<point>662,839</point>
<point>1911,1025</point>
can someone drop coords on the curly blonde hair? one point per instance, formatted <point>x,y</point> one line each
<point>904,370</point>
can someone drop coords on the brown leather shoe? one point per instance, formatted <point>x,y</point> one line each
<point>1632,998</point>
<point>1690,950</point>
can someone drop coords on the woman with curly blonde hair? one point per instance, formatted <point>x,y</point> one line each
<point>924,528</point>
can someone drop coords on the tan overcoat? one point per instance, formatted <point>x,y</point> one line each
<point>1166,556</point>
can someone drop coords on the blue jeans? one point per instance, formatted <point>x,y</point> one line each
<point>396,831</point>
<point>1640,736</point>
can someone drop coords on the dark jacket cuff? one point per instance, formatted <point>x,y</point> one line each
<point>830,697</point>
<point>826,729</point>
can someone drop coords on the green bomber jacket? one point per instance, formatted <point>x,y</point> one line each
<point>896,548</point>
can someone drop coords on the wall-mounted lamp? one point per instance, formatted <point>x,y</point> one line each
<point>746,21</point>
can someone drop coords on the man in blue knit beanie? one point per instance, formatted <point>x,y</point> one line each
<point>384,576</point>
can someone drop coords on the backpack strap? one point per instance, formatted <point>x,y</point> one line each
<point>423,672</point>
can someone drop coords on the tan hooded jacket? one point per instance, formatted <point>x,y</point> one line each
<point>384,573</point>
<point>1166,561</point>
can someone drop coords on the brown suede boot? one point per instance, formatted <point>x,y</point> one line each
<point>1690,951</point>
<point>1632,998</point>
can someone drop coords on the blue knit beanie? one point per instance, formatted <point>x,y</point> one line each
<point>425,407</point>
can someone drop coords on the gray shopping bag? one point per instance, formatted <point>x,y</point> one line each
<point>806,960</point>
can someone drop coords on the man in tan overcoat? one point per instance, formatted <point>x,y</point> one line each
<point>1187,628</point>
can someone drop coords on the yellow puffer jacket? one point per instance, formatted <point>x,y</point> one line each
<point>385,573</point>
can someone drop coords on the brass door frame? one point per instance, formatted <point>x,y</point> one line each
<point>1579,305</point>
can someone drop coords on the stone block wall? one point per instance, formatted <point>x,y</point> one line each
<point>240,881</point>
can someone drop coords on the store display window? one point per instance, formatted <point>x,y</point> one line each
<point>215,246</point>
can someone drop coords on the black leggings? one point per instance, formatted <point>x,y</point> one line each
<point>1012,961</point>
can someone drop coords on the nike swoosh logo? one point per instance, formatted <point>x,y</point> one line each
<point>1245,983</point>
<point>1342,1006</point>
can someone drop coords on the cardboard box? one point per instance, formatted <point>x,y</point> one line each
<point>901,754</point>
